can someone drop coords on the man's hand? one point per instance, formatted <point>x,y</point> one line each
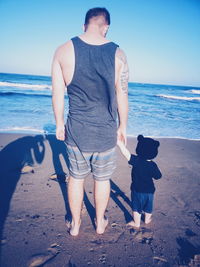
<point>60,133</point>
<point>121,135</point>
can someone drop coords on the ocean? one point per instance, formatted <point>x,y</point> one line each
<point>154,110</point>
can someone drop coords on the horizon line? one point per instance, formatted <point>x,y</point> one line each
<point>136,82</point>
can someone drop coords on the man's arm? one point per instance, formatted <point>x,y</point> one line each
<point>58,90</point>
<point>122,73</point>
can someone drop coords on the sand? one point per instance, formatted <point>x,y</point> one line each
<point>33,205</point>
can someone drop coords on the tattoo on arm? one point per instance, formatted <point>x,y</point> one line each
<point>124,76</point>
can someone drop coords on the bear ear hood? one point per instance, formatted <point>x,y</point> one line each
<point>147,148</point>
<point>140,138</point>
<point>157,143</point>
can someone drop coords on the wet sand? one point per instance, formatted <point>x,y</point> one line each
<point>34,204</point>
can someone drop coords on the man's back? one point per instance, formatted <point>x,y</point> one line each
<point>66,56</point>
<point>92,98</point>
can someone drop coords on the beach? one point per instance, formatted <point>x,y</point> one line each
<point>33,191</point>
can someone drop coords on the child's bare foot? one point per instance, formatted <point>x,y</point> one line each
<point>147,221</point>
<point>148,218</point>
<point>74,229</point>
<point>101,226</point>
<point>133,224</point>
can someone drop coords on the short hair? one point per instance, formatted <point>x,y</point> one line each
<point>95,12</point>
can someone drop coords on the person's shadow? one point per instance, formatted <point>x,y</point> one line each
<point>116,192</point>
<point>187,251</point>
<point>13,157</point>
<point>58,149</point>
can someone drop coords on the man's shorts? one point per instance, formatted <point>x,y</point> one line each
<point>142,202</point>
<point>101,164</point>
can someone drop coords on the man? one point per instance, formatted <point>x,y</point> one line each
<point>95,72</point>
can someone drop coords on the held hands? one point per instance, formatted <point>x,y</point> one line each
<point>121,142</point>
<point>60,133</point>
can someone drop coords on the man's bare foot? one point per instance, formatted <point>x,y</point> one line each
<point>101,226</point>
<point>74,229</point>
<point>133,224</point>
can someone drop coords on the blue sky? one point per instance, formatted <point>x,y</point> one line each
<point>161,38</point>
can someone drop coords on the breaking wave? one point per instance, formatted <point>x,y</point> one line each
<point>186,98</point>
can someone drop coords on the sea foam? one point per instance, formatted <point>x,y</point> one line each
<point>195,92</point>
<point>180,97</point>
<point>24,85</point>
<point>21,130</point>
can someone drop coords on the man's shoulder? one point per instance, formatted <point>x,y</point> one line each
<point>120,55</point>
<point>67,47</point>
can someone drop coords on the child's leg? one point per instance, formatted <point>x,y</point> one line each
<point>148,208</point>
<point>136,218</point>
<point>148,217</point>
<point>136,206</point>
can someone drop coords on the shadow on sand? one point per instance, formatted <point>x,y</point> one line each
<point>58,149</point>
<point>187,252</point>
<point>116,192</point>
<point>13,157</point>
<point>29,150</point>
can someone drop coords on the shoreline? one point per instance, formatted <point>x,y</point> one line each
<point>32,221</point>
<point>38,132</point>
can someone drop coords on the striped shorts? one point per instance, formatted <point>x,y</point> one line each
<point>100,164</point>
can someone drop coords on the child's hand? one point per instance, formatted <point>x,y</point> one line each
<point>123,149</point>
<point>120,143</point>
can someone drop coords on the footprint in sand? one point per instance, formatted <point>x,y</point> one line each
<point>143,235</point>
<point>114,224</point>
<point>27,169</point>
<point>3,242</point>
<point>196,261</point>
<point>197,217</point>
<point>40,259</point>
<point>189,232</point>
<point>102,259</point>
<point>159,260</point>
<point>179,201</point>
<point>61,178</point>
<point>84,209</point>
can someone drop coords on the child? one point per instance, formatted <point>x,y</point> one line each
<point>143,172</point>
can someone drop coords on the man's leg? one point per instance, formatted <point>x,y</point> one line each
<point>101,198</point>
<point>75,195</point>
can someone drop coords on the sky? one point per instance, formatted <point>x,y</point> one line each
<point>161,38</point>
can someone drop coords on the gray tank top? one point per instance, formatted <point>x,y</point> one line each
<point>91,124</point>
